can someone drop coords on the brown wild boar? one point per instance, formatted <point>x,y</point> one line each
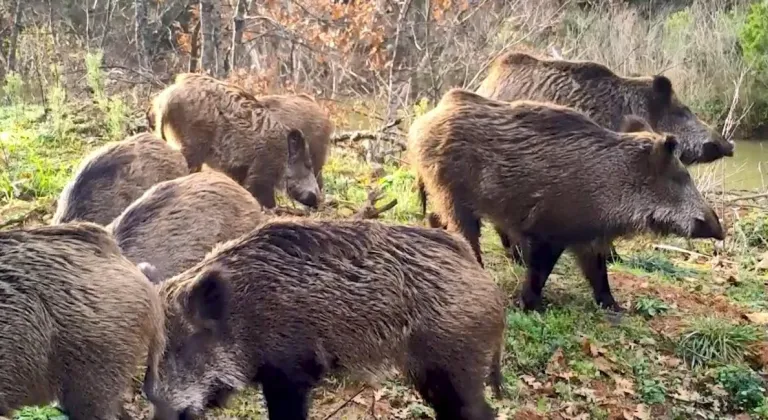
<point>176,223</point>
<point>553,176</point>
<point>114,175</point>
<point>606,98</point>
<point>220,125</point>
<point>303,113</point>
<point>295,300</point>
<point>78,319</point>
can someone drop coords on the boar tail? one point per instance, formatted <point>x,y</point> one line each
<point>495,378</point>
<point>422,196</point>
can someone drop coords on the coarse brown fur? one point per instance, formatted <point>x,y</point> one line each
<point>176,223</point>
<point>606,98</point>
<point>553,176</point>
<point>78,319</point>
<point>220,125</point>
<point>296,299</point>
<point>114,175</point>
<point>303,113</point>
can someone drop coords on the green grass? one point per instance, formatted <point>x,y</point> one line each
<point>562,359</point>
<point>715,340</point>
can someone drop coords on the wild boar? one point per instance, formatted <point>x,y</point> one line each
<point>606,98</point>
<point>218,124</point>
<point>78,320</point>
<point>303,113</point>
<point>176,223</point>
<point>114,175</point>
<point>551,175</point>
<point>296,299</point>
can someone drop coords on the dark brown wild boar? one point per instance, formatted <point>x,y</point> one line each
<point>553,176</point>
<point>301,112</point>
<point>177,222</point>
<point>295,300</point>
<point>220,125</point>
<point>114,175</point>
<point>606,98</point>
<point>78,319</point>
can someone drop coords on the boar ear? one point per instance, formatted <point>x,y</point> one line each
<point>150,272</point>
<point>295,142</point>
<point>208,300</point>
<point>663,150</point>
<point>634,124</point>
<point>662,89</point>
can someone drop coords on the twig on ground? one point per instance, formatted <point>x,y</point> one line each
<point>681,250</point>
<point>369,210</point>
<point>346,403</point>
<point>747,197</point>
<point>382,134</point>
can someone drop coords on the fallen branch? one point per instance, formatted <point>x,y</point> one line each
<point>370,211</point>
<point>382,133</point>
<point>681,250</point>
<point>747,197</point>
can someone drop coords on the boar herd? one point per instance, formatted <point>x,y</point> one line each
<point>163,253</point>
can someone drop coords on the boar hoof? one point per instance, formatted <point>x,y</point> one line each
<point>529,302</point>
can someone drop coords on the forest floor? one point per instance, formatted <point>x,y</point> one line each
<point>691,345</point>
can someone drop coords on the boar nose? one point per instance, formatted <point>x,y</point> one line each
<point>708,227</point>
<point>309,199</point>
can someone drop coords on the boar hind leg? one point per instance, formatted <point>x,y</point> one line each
<point>464,221</point>
<point>264,194</point>
<point>592,260</point>
<point>541,259</point>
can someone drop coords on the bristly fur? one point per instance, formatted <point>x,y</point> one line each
<point>78,318</point>
<point>228,129</point>
<point>550,174</point>
<point>308,297</point>
<point>606,98</point>
<point>114,175</point>
<point>176,223</point>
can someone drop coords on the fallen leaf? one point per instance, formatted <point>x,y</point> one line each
<point>556,362</point>
<point>587,393</point>
<point>531,382</point>
<point>603,365</point>
<point>688,396</point>
<point>623,386</point>
<point>760,318</point>
<point>642,412</point>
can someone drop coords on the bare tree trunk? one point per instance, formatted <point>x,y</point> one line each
<point>140,7</point>
<point>107,23</point>
<point>194,48</point>
<point>216,22</point>
<point>210,22</point>
<point>15,30</point>
<point>238,22</point>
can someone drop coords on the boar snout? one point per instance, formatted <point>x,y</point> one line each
<point>308,199</point>
<point>708,226</point>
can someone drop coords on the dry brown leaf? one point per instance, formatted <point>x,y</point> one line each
<point>688,396</point>
<point>531,382</point>
<point>642,412</point>
<point>556,362</point>
<point>588,393</point>
<point>603,365</point>
<point>759,318</point>
<point>623,386</point>
<point>763,264</point>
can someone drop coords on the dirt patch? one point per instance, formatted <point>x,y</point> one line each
<point>684,303</point>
